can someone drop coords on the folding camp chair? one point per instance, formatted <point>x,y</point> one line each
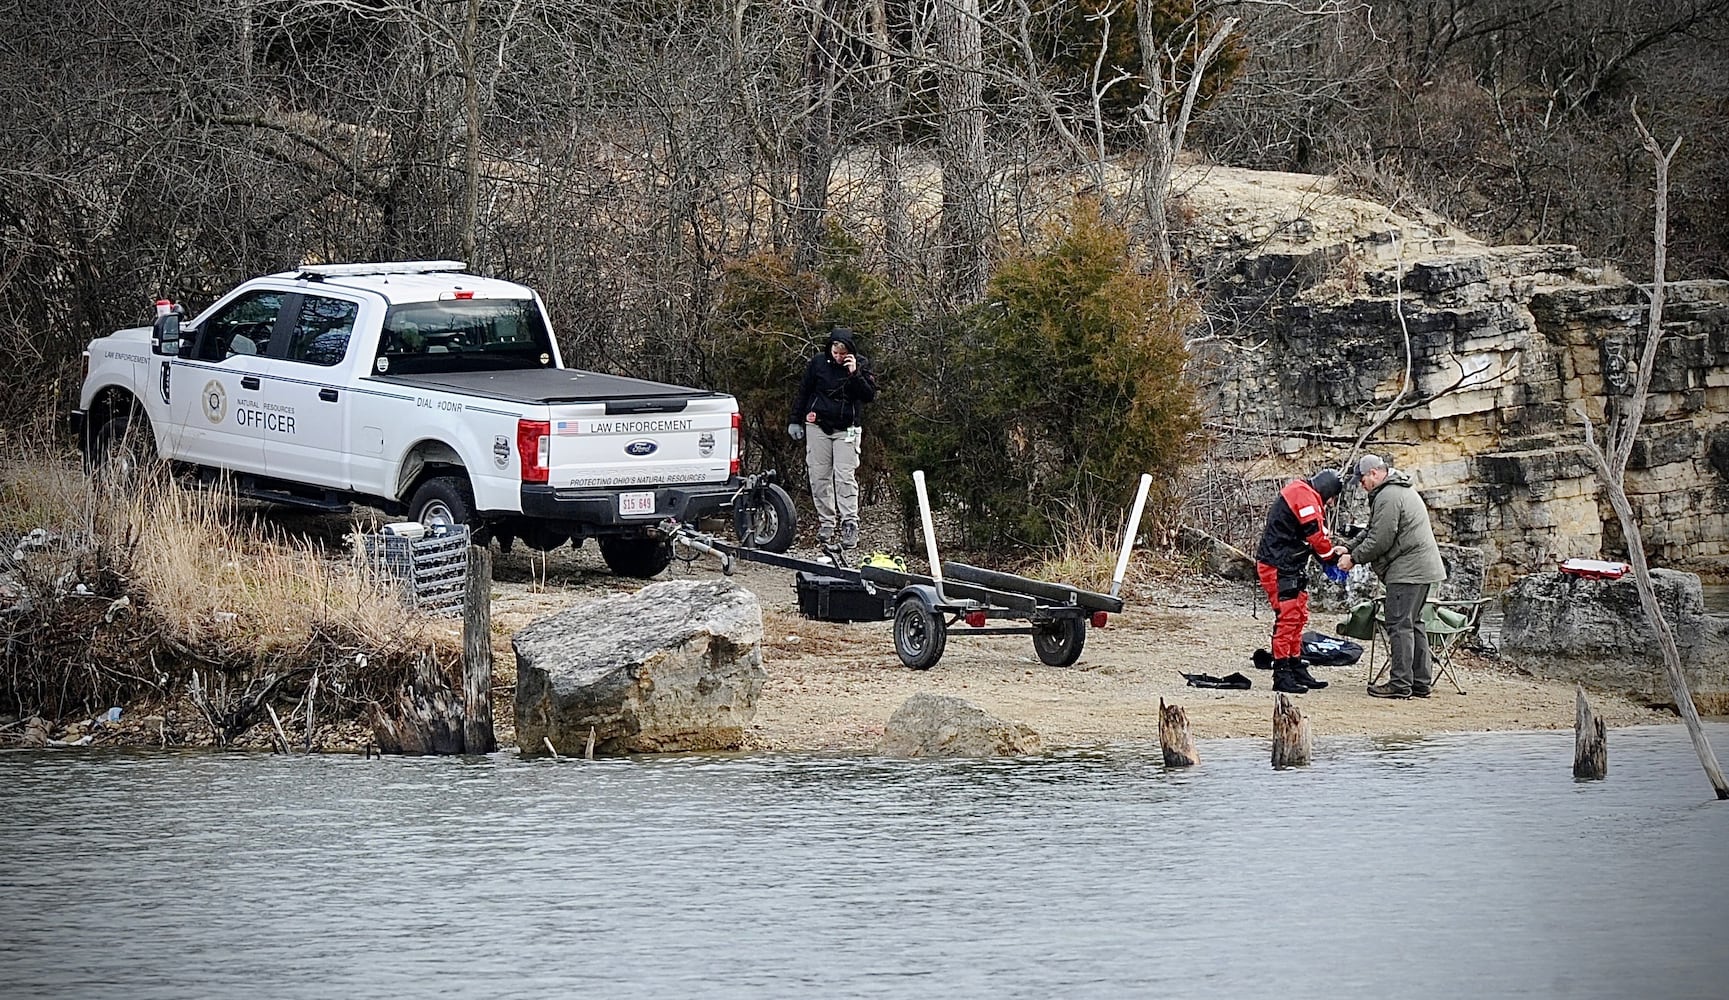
<point>1446,625</point>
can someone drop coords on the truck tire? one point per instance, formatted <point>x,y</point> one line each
<point>769,526</point>
<point>447,501</point>
<point>122,447</point>
<point>637,557</point>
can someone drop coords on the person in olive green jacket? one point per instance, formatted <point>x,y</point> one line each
<point>1399,545</point>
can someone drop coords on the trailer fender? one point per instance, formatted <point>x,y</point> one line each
<point>923,593</point>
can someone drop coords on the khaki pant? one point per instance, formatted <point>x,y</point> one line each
<point>833,463</point>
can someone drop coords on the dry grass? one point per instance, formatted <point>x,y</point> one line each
<point>143,580</point>
<point>215,577</point>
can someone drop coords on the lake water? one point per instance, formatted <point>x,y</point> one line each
<point>1454,866</point>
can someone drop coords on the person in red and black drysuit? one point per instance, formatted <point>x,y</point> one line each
<point>1296,529</point>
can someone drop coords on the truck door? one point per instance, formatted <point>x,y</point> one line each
<point>215,385</point>
<point>307,390</point>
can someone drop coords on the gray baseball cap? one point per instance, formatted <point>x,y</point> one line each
<point>1366,465</point>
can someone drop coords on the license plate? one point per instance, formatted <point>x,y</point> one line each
<point>636,503</point>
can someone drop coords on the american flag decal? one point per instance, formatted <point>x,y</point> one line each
<point>565,427</point>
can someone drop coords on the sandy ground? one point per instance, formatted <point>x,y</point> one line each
<point>832,686</point>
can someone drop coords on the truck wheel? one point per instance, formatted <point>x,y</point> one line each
<point>122,447</point>
<point>447,501</point>
<point>638,557</point>
<point>769,525</point>
<point>1059,643</point>
<point>920,635</point>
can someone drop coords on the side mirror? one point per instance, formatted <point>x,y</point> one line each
<point>165,333</point>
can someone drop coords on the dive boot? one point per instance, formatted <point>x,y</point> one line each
<point>1285,678</point>
<point>1301,672</point>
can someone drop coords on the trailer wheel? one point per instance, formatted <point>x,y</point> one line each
<point>447,501</point>
<point>638,557</point>
<point>920,635</point>
<point>770,525</point>
<point>122,447</point>
<point>1059,643</point>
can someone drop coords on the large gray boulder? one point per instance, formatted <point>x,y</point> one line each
<point>933,725</point>
<point>1594,632</point>
<point>674,666</point>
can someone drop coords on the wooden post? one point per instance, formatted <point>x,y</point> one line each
<point>1590,743</point>
<point>1174,741</point>
<point>588,751</point>
<point>1291,744</point>
<point>477,732</point>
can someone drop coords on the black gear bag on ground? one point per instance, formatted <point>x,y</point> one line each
<point>1328,651</point>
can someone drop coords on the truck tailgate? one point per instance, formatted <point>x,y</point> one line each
<point>591,448</point>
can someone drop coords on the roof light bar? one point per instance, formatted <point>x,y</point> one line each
<point>385,267</point>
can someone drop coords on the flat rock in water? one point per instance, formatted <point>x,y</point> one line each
<point>675,666</point>
<point>931,725</point>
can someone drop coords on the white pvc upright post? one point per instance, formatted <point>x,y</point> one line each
<point>930,532</point>
<point>1129,536</point>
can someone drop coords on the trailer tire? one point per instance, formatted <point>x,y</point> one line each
<point>920,635</point>
<point>769,526</point>
<point>447,501</point>
<point>1059,643</point>
<point>641,557</point>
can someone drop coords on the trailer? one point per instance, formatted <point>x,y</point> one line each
<point>925,608</point>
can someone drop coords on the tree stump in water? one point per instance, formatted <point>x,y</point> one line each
<point>1174,741</point>
<point>477,733</point>
<point>1590,742</point>
<point>1290,734</point>
<point>35,733</point>
<point>430,715</point>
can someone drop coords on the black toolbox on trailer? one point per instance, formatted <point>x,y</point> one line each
<point>833,599</point>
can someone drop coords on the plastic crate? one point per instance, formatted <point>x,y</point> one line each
<point>433,570</point>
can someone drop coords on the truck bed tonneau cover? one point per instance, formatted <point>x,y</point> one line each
<point>546,385</point>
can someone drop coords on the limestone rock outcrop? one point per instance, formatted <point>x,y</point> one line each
<point>675,666</point>
<point>931,725</point>
<point>1314,295</point>
<point>1594,632</point>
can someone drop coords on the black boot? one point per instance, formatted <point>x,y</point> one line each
<point>1301,672</point>
<point>1285,677</point>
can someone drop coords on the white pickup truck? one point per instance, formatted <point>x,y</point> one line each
<point>422,390</point>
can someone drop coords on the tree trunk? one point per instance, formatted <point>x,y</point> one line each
<point>471,119</point>
<point>1590,745</point>
<point>1291,742</point>
<point>960,88</point>
<point>889,109</point>
<point>427,717</point>
<point>1174,741</point>
<point>477,731</point>
<point>816,152</point>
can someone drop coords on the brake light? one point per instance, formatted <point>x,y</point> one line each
<point>976,619</point>
<point>1099,619</point>
<point>534,446</point>
<point>465,295</point>
<point>737,436</point>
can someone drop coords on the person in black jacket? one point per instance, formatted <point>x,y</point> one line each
<point>826,416</point>
<point>1296,529</point>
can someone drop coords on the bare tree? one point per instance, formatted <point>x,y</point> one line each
<point>966,221</point>
<point>1619,435</point>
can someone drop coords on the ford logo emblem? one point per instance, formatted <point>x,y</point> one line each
<point>640,448</point>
